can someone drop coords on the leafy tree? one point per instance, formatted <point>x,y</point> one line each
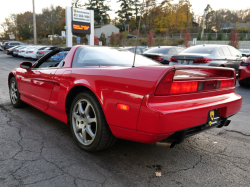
<point>186,39</point>
<point>199,35</point>
<point>242,36</point>
<point>209,36</point>
<point>76,4</point>
<point>219,36</point>
<point>151,39</point>
<point>112,39</point>
<point>125,13</point>
<point>103,38</point>
<point>100,11</point>
<point>234,40</point>
<point>96,40</point>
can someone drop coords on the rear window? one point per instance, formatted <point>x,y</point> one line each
<point>200,49</point>
<point>158,50</point>
<point>105,56</point>
<point>14,43</point>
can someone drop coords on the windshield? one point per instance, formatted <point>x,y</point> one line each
<point>158,50</point>
<point>200,49</point>
<point>105,56</point>
<point>244,51</point>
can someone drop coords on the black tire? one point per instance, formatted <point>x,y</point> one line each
<point>243,84</point>
<point>17,103</point>
<point>103,135</point>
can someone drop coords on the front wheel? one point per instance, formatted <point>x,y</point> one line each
<point>88,123</point>
<point>14,94</point>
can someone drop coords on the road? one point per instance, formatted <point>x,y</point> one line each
<point>38,150</point>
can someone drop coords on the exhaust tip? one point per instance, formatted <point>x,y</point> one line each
<point>227,123</point>
<point>169,144</point>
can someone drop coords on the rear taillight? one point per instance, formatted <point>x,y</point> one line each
<point>158,58</point>
<point>202,61</point>
<point>17,51</point>
<point>167,86</point>
<point>244,63</point>
<point>42,53</point>
<point>22,51</point>
<point>10,50</point>
<point>173,59</point>
<point>60,54</point>
<point>30,51</point>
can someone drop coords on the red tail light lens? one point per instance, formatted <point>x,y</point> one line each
<point>173,59</point>
<point>165,85</point>
<point>30,51</point>
<point>22,51</point>
<point>42,53</point>
<point>184,87</point>
<point>244,63</point>
<point>202,61</point>
<point>227,83</point>
<point>158,58</point>
<point>123,107</point>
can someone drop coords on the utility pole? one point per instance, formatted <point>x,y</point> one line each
<point>202,32</point>
<point>34,22</point>
<point>187,17</point>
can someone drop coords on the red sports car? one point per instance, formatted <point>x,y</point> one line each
<point>244,73</point>
<point>98,92</point>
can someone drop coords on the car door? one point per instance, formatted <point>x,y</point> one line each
<point>230,60</point>
<point>36,85</point>
<point>238,58</point>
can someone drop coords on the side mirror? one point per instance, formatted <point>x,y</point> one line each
<point>26,65</point>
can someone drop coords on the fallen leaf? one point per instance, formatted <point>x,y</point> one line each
<point>158,174</point>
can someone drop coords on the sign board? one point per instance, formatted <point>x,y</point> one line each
<point>51,38</point>
<point>100,43</point>
<point>194,41</point>
<point>78,40</point>
<point>63,33</point>
<point>81,15</point>
<point>12,36</point>
<point>80,27</point>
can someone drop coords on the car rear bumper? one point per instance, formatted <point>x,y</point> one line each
<point>161,120</point>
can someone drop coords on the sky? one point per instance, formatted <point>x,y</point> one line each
<point>20,6</point>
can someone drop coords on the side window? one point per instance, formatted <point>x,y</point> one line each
<point>226,51</point>
<point>179,50</point>
<point>220,52</point>
<point>53,61</point>
<point>138,51</point>
<point>234,52</point>
<point>173,51</point>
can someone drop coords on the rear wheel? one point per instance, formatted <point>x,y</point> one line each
<point>88,123</point>
<point>14,94</point>
<point>242,83</point>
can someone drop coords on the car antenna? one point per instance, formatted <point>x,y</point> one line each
<point>138,34</point>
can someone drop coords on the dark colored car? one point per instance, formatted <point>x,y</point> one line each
<point>209,55</point>
<point>131,36</point>
<point>244,73</point>
<point>98,92</point>
<point>11,44</point>
<point>162,54</point>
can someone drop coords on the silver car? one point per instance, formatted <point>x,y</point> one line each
<point>209,55</point>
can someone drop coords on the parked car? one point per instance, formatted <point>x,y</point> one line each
<point>10,50</point>
<point>139,50</point>
<point>98,92</point>
<point>131,36</point>
<point>59,56</point>
<point>41,53</point>
<point>162,54</point>
<point>209,55</point>
<point>17,50</point>
<point>11,44</point>
<point>245,52</point>
<point>33,51</point>
<point>244,73</point>
<point>22,52</point>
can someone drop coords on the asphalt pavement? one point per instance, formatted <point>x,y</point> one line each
<point>38,150</point>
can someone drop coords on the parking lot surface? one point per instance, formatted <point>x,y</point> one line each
<point>38,150</point>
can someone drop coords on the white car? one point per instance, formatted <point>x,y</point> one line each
<point>22,52</point>
<point>32,51</point>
